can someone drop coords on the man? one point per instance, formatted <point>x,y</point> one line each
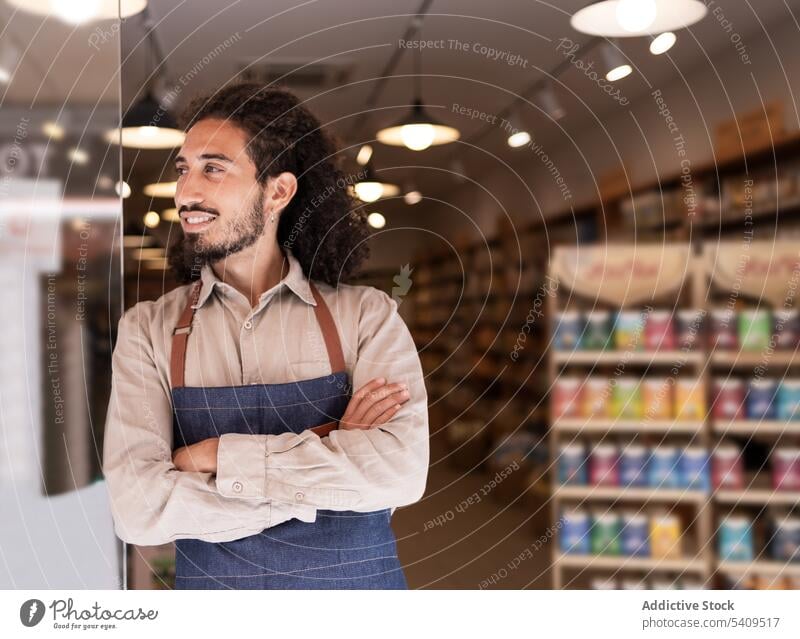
<point>231,429</point>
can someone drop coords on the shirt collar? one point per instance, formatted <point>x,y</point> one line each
<point>295,280</point>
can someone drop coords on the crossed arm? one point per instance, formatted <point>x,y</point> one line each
<point>364,465</point>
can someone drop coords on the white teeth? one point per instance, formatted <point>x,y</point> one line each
<point>199,219</point>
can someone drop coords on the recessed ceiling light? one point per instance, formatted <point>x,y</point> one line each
<point>662,43</point>
<point>621,18</point>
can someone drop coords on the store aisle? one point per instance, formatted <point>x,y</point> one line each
<point>482,544</point>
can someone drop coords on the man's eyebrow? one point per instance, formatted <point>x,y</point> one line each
<point>207,156</point>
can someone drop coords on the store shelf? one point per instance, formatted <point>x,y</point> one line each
<point>756,427</point>
<point>614,562</point>
<point>760,567</point>
<point>750,359</point>
<point>585,358</point>
<point>584,425</point>
<point>617,493</point>
<point>757,497</point>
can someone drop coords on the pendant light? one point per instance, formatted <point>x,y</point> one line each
<point>549,102</point>
<point>81,12</point>
<point>161,189</point>
<point>517,133</point>
<point>411,194</point>
<point>625,18</point>
<point>617,66</point>
<point>371,189</point>
<point>662,43</point>
<point>147,124</point>
<point>418,130</point>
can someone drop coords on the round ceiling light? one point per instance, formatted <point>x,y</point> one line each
<point>621,18</point>
<point>81,12</point>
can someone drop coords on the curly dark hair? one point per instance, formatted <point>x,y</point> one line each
<point>323,225</point>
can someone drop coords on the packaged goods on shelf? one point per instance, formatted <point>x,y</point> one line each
<point>665,536</point>
<point>735,539</point>
<point>786,469</point>
<point>606,528</point>
<point>574,537</point>
<point>727,468</point>
<point>729,399</point>
<point>635,535</point>
<point>785,543</point>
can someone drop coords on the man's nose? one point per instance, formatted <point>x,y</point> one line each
<point>189,190</point>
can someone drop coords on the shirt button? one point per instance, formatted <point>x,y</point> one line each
<point>298,496</point>
<point>248,324</point>
<point>237,486</point>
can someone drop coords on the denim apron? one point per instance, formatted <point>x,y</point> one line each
<point>341,549</point>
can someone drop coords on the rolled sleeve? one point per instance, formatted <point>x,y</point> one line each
<point>152,502</point>
<point>362,470</point>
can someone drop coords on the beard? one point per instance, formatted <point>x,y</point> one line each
<point>192,252</point>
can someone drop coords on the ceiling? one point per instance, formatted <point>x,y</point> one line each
<point>347,45</point>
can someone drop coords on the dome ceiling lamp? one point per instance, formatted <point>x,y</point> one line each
<point>148,124</point>
<point>372,189</point>
<point>627,18</point>
<point>418,130</point>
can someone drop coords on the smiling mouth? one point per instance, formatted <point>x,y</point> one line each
<point>195,220</point>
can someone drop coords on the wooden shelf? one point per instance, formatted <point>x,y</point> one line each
<point>749,359</point>
<point>756,427</point>
<point>585,425</point>
<point>621,562</point>
<point>764,567</point>
<point>618,493</point>
<point>631,357</point>
<point>757,497</point>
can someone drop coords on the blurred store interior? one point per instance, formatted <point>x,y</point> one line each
<point>599,270</point>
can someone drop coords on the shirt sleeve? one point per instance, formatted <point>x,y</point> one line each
<point>152,502</point>
<point>360,470</point>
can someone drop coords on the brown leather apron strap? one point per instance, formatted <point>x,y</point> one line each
<point>329,333</point>
<point>180,337</point>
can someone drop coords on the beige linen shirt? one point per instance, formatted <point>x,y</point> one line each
<point>261,480</point>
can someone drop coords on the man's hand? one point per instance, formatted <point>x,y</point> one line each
<point>373,404</point>
<point>199,457</point>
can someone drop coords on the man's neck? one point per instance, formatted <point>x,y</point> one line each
<point>254,270</point>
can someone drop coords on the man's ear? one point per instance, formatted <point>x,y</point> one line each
<point>282,189</point>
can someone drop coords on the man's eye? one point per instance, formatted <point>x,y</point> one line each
<point>213,169</point>
<point>179,170</point>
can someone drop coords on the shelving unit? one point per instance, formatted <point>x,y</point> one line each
<point>702,364</point>
<point>692,364</point>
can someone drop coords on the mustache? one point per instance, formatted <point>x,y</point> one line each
<point>196,207</point>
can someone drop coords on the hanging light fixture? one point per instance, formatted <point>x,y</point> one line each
<point>411,194</point>
<point>621,18</point>
<point>146,125</point>
<point>616,64</point>
<point>81,12</point>
<point>364,154</point>
<point>170,215</point>
<point>518,135</point>
<point>418,130</point>
<point>161,189</point>
<point>549,102</point>
<point>662,43</point>
<point>376,220</point>
<point>371,189</point>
